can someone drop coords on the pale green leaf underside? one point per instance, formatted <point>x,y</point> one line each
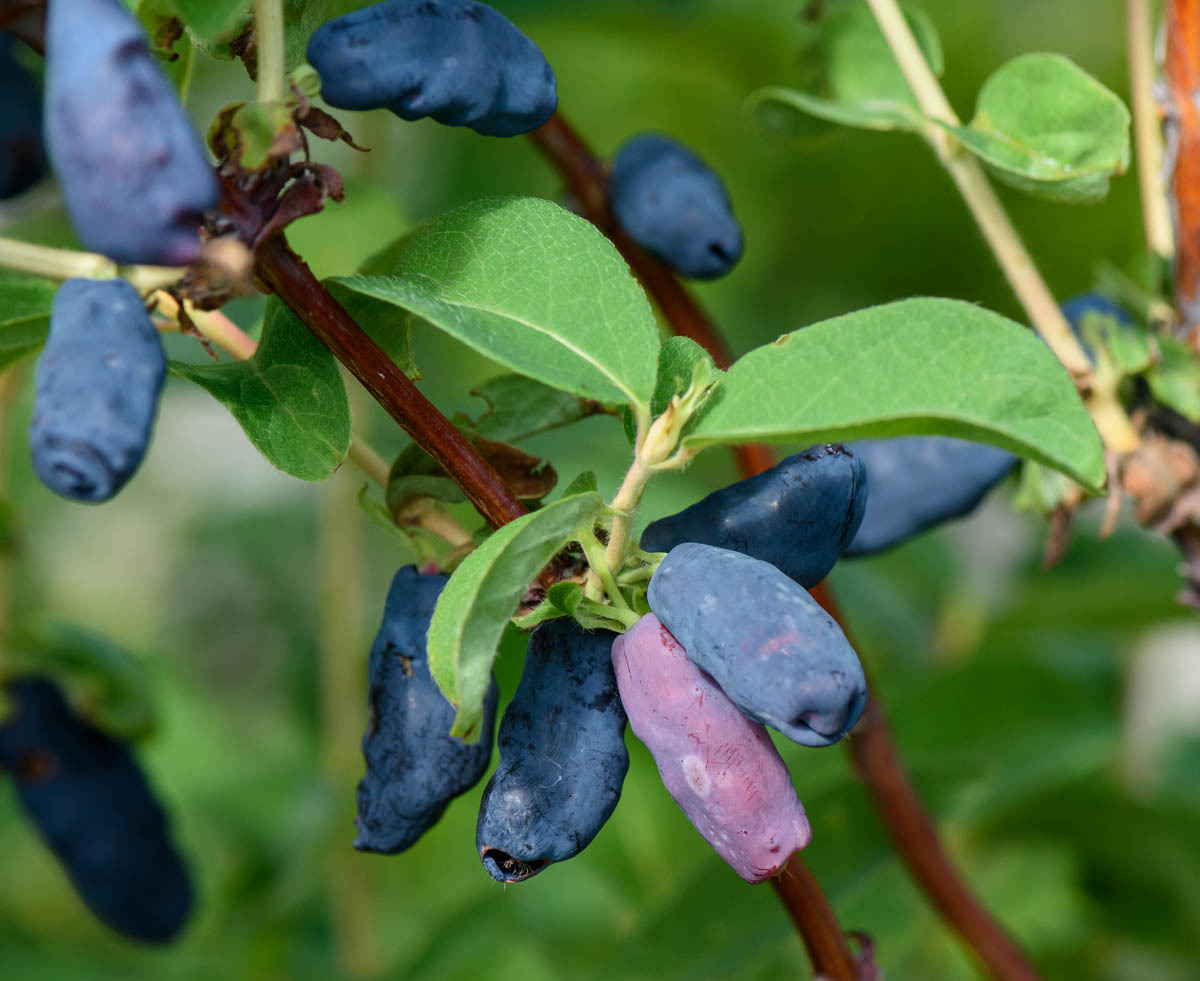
<point>1045,126</point>
<point>862,85</point>
<point>483,594</point>
<point>289,398</point>
<point>534,288</point>
<point>911,367</point>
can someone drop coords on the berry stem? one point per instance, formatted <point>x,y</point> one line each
<point>1014,259</point>
<point>269,43</point>
<point>52,263</point>
<point>1147,130</point>
<point>293,282</point>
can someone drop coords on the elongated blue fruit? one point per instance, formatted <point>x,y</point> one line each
<point>562,755</point>
<point>675,206</point>
<point>133,173</point>
<point>722,769</point>
<point>799,515</point>
<point>457,61</point>
<point>87,798</point>
<point>96,390</point>
<point>22,157</point>
<point>414,766</point>
<point>918,482</point>
<point>770,647</point>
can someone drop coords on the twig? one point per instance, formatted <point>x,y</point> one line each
<point>1183,83</point>
<point>1147,129</point>
<point>1014,259</point>
<point>293,282</point>
<point>801,896</point>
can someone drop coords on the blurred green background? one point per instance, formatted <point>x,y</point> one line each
<point>1051,719</point>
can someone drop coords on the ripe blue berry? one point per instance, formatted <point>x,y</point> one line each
<point>90,803</point>
<point>562,755</point>
<point>799,515</point>
<point>457,61</point>
<point>414,766</point>
<point>722,769</point>
<point>96,390</point>
<point>674,206</point>
<point>920,481</point>
<point>134,175</point>
<point>770,647</point>
<point>22,157</point>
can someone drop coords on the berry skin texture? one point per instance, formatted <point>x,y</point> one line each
<point>770,647</point>
<point>562,755</point>
<point>22,156</point>
<point>94,810</point>
<point>134,175</point>
<point>96,390</point>
<point>722,769</point>
<point>918,482</point>
<point>799,515</point>
<point>459,62</point>
<point>674,206</point>
<point>414,766</point>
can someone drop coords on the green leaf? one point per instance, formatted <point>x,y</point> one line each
<point>519,407</point>
<point>103,683</point>
<point>677,366</point>
<point>860,85</point>
<point>534,288</point>
<point>1045,126</point>
<point>289,398</point>
<point>1175,380</point>
<point>25,303</point>
<point>212,19</point>
<point>380,516</point>
<point>484,593</point>
<point>915,366</point>
<point>585,482</point>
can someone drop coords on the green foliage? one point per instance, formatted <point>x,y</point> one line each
<point>1048,128</point>
<point>1175,377</point>
<point>484,593</point>
<point>856,80</point>
<point>535,289</point>
<point>25,303</point>
<point>915,366</point>
<point>213,20</point>
<point>289,398</point>
<point>519,407</point>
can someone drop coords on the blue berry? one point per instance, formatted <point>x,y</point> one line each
<point>414,766</point>
<point>96,390</point>
<point>457,61</point>
<point>134,175</point>
<point>799,515</point>
<point>674,206</point>
<point>22,156</point>
<point>920,481</point>
<point>562,755</point>
<point>770,647</point>
<point>93,808</point>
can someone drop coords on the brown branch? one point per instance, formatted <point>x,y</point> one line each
<point>871,744</point>
<point>293,282</point>
<point>915,837</point>
<point>1183,83</point>
<point>25,19</point>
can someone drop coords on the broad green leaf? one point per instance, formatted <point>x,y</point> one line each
<point>585,482</point>
<point>103,683</point>
<point>25,303</point>
<point>484,593</point>
<point>380,516</point>
<point>1045,126</point>
<point>1175,379</point>
<point>213,19</point>
<point>519,407</point>
<point>534,288</point>
<point>289,398</point>
<point>910,367</point>
<point>860,85</point>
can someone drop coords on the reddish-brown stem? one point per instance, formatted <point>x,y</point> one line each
<point>801,896</point>
<point>915,837</point>
<point>1183,82</point>
<point>293,282</point>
